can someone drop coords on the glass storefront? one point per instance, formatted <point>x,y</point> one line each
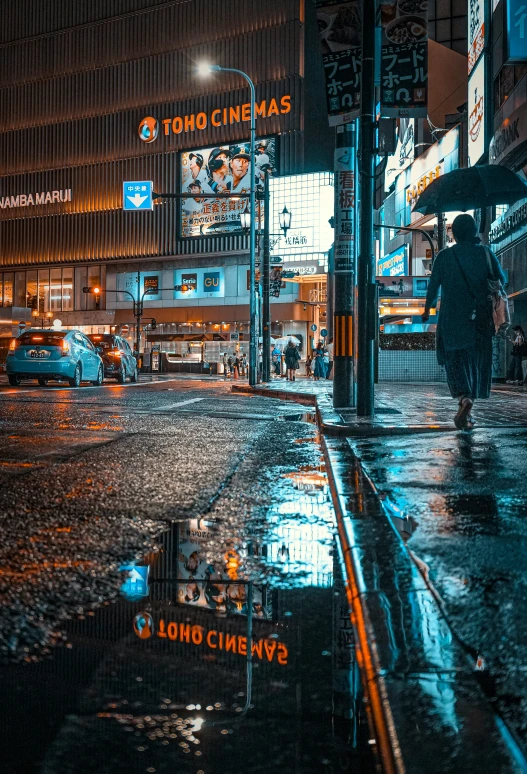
<point>47,290</point>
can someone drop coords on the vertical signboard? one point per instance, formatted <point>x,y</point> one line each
<point>339,26</point>
<point>344,208</point>
<point>404,62</point>
<point>476,113</point>
<point>476,31</point>
<point>516,11</point>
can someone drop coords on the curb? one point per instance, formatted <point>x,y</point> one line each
<point>413,668</point>
<point>330,422</point>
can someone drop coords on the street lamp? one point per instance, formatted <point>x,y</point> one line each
<point>285,220</point>
<point>245,219</point>
<point>205,69</point>
<point>43,317</point>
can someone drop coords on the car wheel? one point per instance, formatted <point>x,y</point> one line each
<point>76,381</point>
<point>14,380</point>
<point>100,377</point>
<point>42,381</point>
<point>135,375</point>
<point>121,376</point>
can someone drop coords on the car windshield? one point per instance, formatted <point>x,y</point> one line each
<point>47,338</point>
<point>104,341</point>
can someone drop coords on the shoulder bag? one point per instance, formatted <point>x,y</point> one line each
<point>500,305</point>
<point>481,314</point>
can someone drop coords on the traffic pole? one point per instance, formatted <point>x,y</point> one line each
<point>367,313</point>
<point>266,286</point>
<point>343,265</point>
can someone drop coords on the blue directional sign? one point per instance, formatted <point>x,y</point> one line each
<point>135,586</point>
<point>137,195</point>
<point>516,31</point>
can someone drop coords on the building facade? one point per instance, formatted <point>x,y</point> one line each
<point>96,95</point>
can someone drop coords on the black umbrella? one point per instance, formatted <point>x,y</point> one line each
<point>472,189</point>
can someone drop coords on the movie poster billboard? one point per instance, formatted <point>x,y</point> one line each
<point>222,169</point>
<point>211,583</point>
<point>404,62</point>
<point>339,26</point>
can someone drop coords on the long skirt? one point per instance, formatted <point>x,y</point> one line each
<point>469,371</point>
<point>320,367</point>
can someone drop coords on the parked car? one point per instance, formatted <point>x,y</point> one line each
<point>50,354</point>
<point>119,362</point>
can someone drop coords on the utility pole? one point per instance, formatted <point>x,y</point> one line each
<point>367,312</point>
<point>343,268</point>
<point>266,284</point>
<point>138,312</point>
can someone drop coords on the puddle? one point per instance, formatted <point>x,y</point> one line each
<point>229,650</point>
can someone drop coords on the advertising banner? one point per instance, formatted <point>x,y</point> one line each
<point>395,264</point>
<point>209,583</point>
<point>404,152</point>
<point>339,26</point>
<point>344,209</point>
<point>476,113</point>
<point>223,169</point>
<point>201,283</point>
<point>404,62</point>
<point>476,31</point>
<point>516,11</point>
<point>275,280</point>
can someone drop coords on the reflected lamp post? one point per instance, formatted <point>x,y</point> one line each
<point>204,70</point>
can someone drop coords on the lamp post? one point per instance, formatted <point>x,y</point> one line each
<point>253,346</point>
<point>43,317</point>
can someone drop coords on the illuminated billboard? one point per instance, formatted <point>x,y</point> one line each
<point>476,113</point>
<point>223,169</point>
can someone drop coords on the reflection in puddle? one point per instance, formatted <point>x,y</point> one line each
<point>176,676</point>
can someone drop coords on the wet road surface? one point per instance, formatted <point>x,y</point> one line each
<point>467,496</point>
<point>214,504</point>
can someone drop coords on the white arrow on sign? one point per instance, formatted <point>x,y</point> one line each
<point>137,200</point>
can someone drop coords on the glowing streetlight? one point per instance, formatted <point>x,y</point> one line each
<point>205,69</point>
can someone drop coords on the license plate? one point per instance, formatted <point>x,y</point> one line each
<point>38,355</point>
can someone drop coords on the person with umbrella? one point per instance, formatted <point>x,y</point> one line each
<point>465,326</point>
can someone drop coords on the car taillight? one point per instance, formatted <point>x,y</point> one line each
<point>65,349</point>
<point>116,352</point>
<point>12,346</point>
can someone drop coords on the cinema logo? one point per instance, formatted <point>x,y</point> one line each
<point>149,127</point>
<point>264,649</point>
<point>32,200</point>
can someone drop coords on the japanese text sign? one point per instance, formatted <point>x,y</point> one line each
<point>344,208</point>
<point>404,62</point>
<point>476,31</point>
<point>339,26</point>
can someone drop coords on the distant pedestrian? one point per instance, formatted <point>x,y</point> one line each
<point>226,366</point>
<point>329,350</point>
<point>243,366</point>
<point>292,357</point>
<point>309,360</point>
<point>465,326</point>
<point>515,372</point>
<point>276,360</point>
<point>236,366</point>
<point>260,363</point>
<point>320,366</point>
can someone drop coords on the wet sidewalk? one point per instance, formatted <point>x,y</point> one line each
<point>432,535</point>
<point>400,408</point>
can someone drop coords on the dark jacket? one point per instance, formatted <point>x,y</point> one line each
<point>455,328</point>
<point>292,356</point>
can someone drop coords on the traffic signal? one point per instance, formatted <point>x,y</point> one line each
<point>182,288</point>
<point>153,324</point>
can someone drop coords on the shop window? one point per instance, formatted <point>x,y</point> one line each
<point>94,280</point>
<point>7,289</point>
<point>55,290</point>
<point>43,290</point>
<point>20,289</point>
<point>67,289</point>
<point>32,290</point>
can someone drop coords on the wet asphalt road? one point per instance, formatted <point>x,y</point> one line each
<point>210,490</point>
<point>468,496</point>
